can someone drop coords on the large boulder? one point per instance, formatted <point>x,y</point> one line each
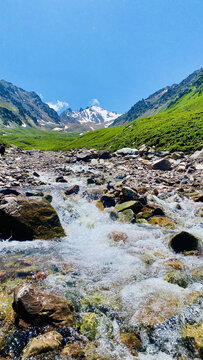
<point>39,308</point>
<point>27,218</point>
<point>49,341</point>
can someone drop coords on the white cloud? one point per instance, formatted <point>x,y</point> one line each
<point>95,102</point>
<point>59,105</point>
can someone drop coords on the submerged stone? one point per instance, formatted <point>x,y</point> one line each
<point>49,341</point>
<point>118,236</point>
<point>73,351</point>
<point>131,341</point>
<point>27,218</point>
<point>185,241</point>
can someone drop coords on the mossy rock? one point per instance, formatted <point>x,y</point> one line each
<point>178,278</point>
<point>135,206</point>
<point>196,334</point>
<point>143,215</point>
<point>89,325</point>
<point>162,221</point>
<point>27,218</point>
<point>6,310</point>
<point>126,216</point>
<point>95,326</point>
<point>141,221</point>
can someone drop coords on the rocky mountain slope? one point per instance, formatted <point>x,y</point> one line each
<point>20,107</point>
<point>88,119</point>
<point>162,99</point>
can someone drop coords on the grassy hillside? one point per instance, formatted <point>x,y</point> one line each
<point>162,99</point>
<point>36,139</point>
<point>178,128</point>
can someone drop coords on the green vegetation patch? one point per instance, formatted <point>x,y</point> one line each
<point>28,138</point>
<point>179,128</point>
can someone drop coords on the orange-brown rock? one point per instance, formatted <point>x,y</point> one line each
<point>73,351</point>
<point>130,340</point>
<point>40,308</point>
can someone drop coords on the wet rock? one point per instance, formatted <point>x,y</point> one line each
<point>195,333</point>
<point>126,216</point>
<point>73,351</point>
<point>9,191</point>
<point>27,218</point>
<point>163,164</point>
<point>118,236</point>
<point>185,241</point>
<point>108,201</point>
<point>135,206</point>
<point>99,205</point>
<point>60,179</point>
<point>162,221</point>
<point>49,341</point>
<point>131,341</point>
<point>177,265</point>
<point>149,211</point>
<point>72,190</point>
<point>198,198</point>
<point>6,311</point>
<point>128,194</point>
<point>40,308</point>
<point>48,197</point>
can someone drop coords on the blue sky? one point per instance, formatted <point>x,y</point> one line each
<point>116,51</point>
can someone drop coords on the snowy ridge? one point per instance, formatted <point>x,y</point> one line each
<point>91,115</point>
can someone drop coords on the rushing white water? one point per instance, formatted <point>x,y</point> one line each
<point>126,275</point>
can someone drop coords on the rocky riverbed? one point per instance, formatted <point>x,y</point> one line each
<point>101,255</point>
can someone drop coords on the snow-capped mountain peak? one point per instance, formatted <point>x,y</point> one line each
<point>92,117</point>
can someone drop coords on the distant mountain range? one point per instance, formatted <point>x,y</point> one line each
<point>162,99</point>
<point>20,107</point>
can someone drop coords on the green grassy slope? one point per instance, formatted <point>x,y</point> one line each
<point>178,128</point>
<point>28,138</point>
